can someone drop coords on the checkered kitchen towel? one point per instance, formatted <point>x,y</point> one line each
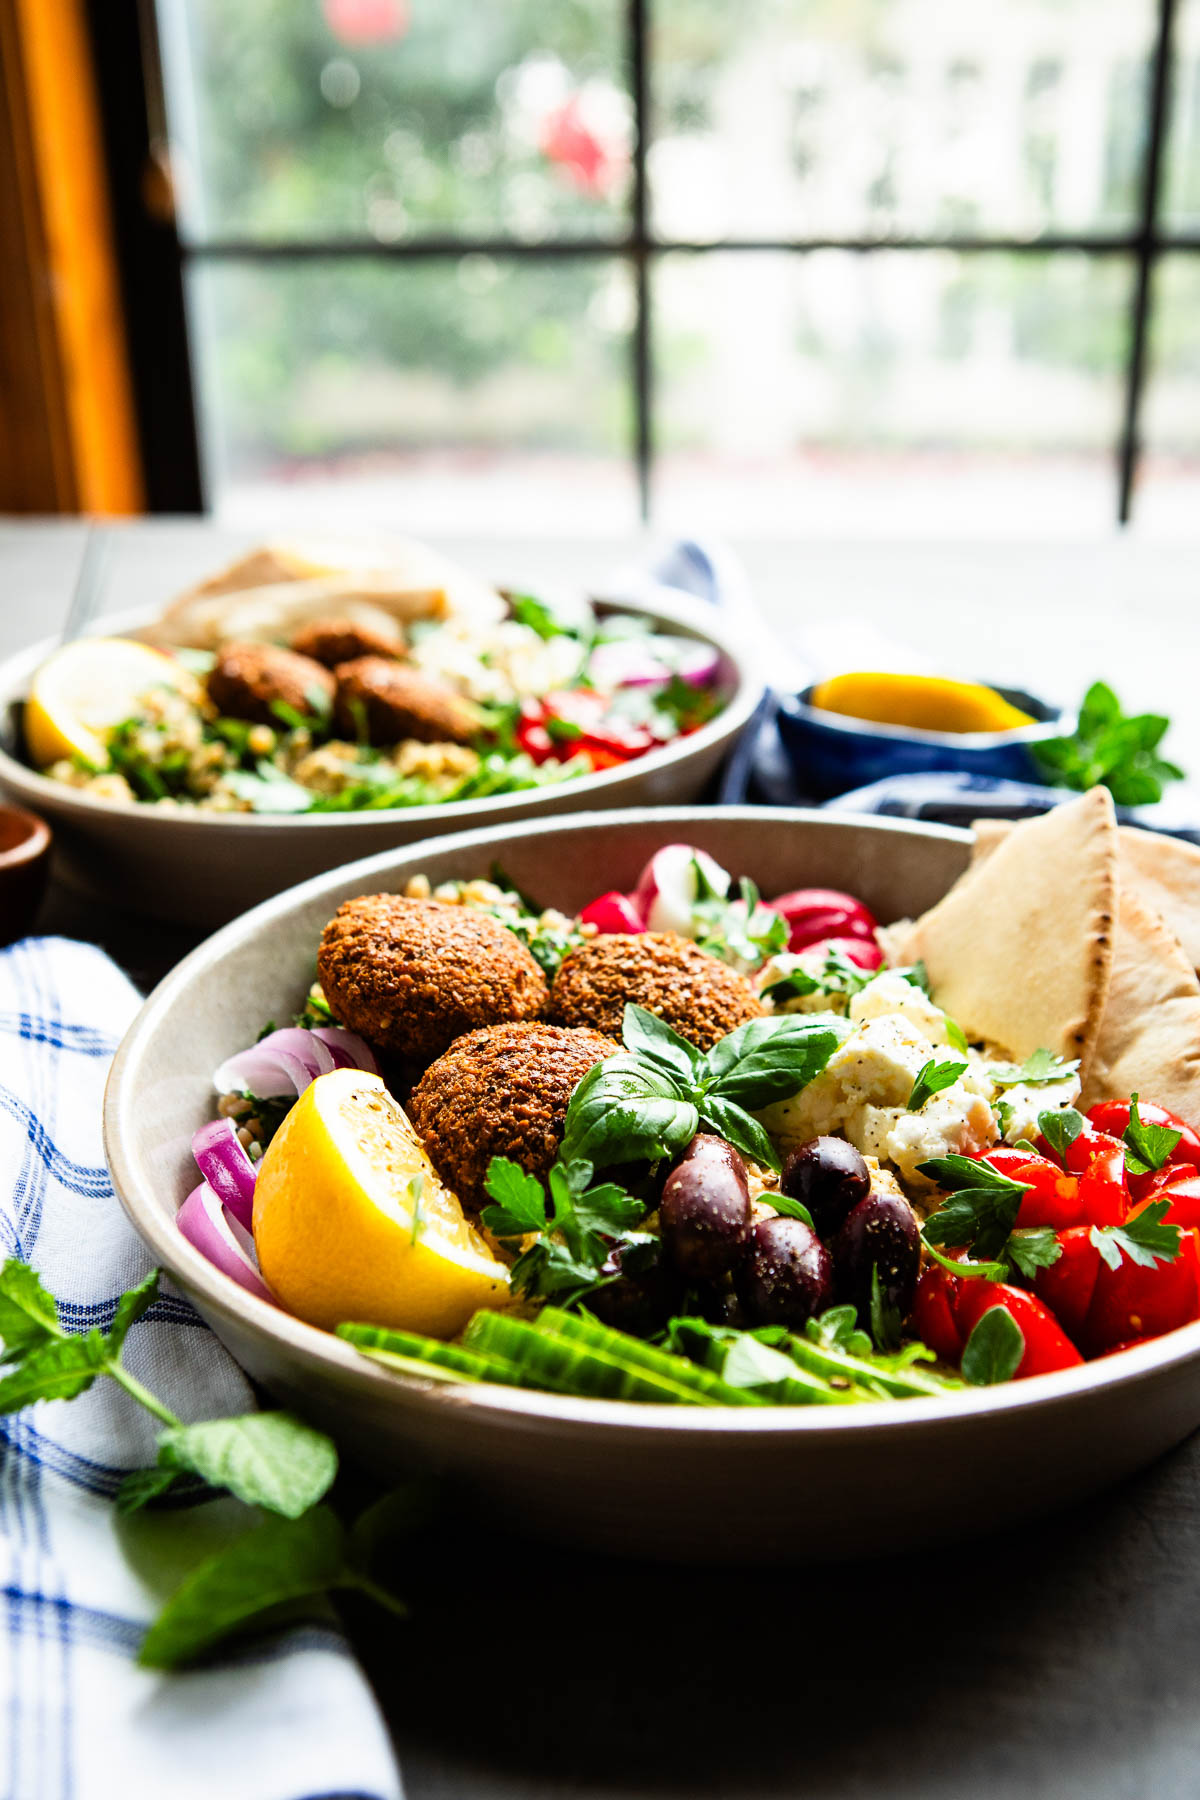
<point>284,1718</point>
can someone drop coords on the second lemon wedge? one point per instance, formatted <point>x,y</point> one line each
<point>89,686</point>
<point>352,1223</point>
<point>922,702</point>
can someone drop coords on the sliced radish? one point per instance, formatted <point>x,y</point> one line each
<point>612,912</point>
<point>665,896</point>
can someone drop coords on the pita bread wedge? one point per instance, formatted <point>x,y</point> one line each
<point>1165,871</point>
<point>1020,950</point>
<point>1149,1040</point>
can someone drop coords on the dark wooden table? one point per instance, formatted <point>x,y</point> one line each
<point>1057,1661</point>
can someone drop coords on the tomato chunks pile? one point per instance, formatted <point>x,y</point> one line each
<point>1104,1289</point>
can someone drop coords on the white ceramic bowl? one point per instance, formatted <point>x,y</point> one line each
<point>204,868</point>
<point>666,1481</point>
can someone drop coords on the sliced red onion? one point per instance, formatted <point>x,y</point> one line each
<point>222,1160</point>
<point>612,912</point>
<point>284,1062</point>
<point>666,891</point>
<point>650,661</point>
<point>349,1051</point>
<point>205,1223</point>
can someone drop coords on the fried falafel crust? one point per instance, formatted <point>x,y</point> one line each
<point>334,641</point>
<point>502,1091</point>
<point>413,975</point>
<point>397,704</point>
<point>247,680</point>
<point>699,996</point>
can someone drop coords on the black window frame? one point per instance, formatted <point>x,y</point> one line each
<point>154,259</point>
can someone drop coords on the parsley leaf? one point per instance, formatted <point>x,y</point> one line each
<point>526,610</point>
<point>932,1079</point>
<point>994,1350</point>
<point>1042,1067</point>
<point>1060,1129</point>
<point>980,1209</point>
<point>1033,1247</point>
<point>521,1200</point>
<point>1144,1239</point>
<point>1147,1147</point>
<point>576,1229</point>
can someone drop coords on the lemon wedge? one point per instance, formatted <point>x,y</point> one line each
<point>89,686</point>
<point>922,702</point>
<point>352,1223</point>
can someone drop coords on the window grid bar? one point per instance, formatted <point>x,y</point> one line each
<point>643,427</point>
<point>1148,248</point>
<point>631,245</point>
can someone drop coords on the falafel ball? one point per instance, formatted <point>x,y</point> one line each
<point>701,997</point>
<point>397,703</point>
<point>334,641</point>
<point>413,975</point>
<point>247,680</point>
<point>502,1091</point>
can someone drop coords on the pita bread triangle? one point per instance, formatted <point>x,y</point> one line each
<point>1020,950</point>
<point>1149,1039</point>
<point>1164,870</point>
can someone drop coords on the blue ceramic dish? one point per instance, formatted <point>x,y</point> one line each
<point>830,753</point>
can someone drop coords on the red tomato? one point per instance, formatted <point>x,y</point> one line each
<point>1086,1147</point>
<point>533,738</point>
<point>1053,1197</point>
<point>1131,1301</point>
<point>816,913</point>
<point>933,1312</point>
<point>1113,1116</point>
<point>612,912</point>
<point>1180,1187</point>
<point>1103,1196</point>
<point>1047,1347</point>
<point>1067,1285</point>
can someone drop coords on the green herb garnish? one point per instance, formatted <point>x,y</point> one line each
<point>994,1350</point>
<point>933,1079</point>
<point>1147,1146</point>
<point>1144,1239</point>
<point>1060,1128</point>
<point>1036,1071</point>
<point>1112,749</point>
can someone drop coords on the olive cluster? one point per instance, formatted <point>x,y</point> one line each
<point>778,1271</point>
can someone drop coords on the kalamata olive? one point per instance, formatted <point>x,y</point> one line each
<point>830,1177</point>
<point>787,1275</point>
<point>640,1303</point>
<point>881,1233</point>
<point>704,1213</point>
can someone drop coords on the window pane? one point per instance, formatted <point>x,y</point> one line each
<point>892,391</point>
<point>1168,496</point>
<point>814,118</point>
<point>1181,200</point>
<point>392,119</point>
<point>453,394</point>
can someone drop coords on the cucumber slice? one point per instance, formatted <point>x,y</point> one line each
<point>413,1354</point>
<point>567,1367</point>
<point>630,1350</point>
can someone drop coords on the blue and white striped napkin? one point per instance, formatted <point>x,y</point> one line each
<point>287,1717</point>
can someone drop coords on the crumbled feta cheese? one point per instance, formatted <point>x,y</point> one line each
<point>890,994</point>
<point>956,1122</point>
<point>876,1066</point>
<point>1023,1104</point>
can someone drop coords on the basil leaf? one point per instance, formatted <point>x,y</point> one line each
<point>1060,1129</point>
<point>772,1058</point>
<point>1147,1147</point>
<point>281,1559</point>
<point>791,1209</point>
<point>28,1314</point>
<point>130,1308</point>
<point>795,986</point>
<point>58,1369</point>
<point>933,1079</point>
<point>269,1459</point>
<point>625,1110</point>
<point>738,1128</point>
<point>646,1035</point>
<point>994,1350</point>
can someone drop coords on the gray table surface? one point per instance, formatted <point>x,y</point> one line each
<point>1060,1660</point>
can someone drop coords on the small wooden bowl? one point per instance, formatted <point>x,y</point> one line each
<point>25,842</point>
